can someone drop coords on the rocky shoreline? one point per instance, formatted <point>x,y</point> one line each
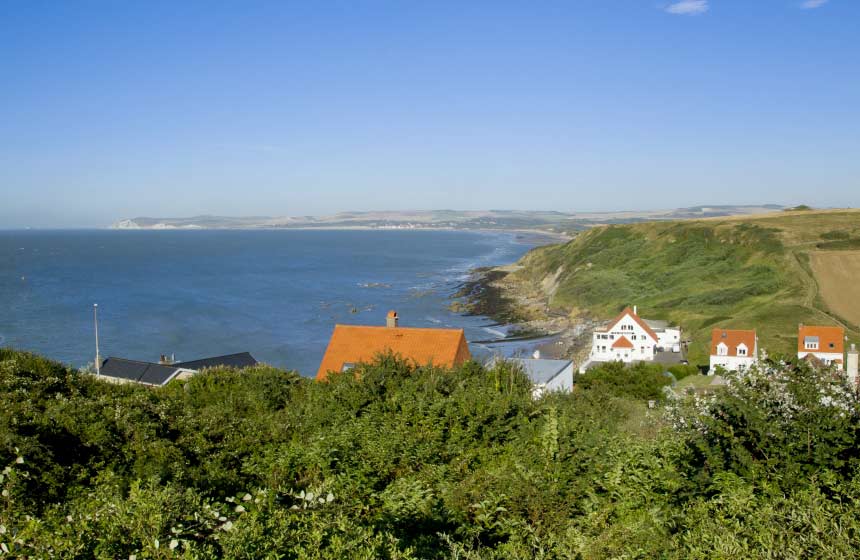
<point>498,293</point>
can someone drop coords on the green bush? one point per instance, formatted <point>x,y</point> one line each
<point>643,381</point>
<point>680,371</point>
<point>398,461</point>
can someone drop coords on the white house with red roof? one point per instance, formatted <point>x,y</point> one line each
<point>825,344</point>
<point>627,338</point>
<point>733,349</point>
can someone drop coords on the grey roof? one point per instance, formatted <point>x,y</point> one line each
<point>808,339</point>
<point>656,323</point>
<point>139,372</point>
<point>239,360</point>
<point>541,371</point>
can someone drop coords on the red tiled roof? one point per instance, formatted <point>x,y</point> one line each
<point>827,336</point>
<point>732,339</point>
<point>622,342</point>
<point>639,321</point>
<point>351,344</point>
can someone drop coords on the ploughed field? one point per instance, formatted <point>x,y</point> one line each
<point>757,272</point>
<point>838,277</point>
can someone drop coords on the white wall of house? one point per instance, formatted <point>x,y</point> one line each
<point>826,357</point>
<point>643,344</point>
<point>668,338</point>
<point>732,363</point>
<point>742,357</point>
<point>561,382</point>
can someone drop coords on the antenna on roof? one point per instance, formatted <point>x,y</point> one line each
<point>96,323</point>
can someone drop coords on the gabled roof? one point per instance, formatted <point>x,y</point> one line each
<point>627,311</point>
<point>541,371</point>
<point>352,344</point>
<point>239,360</point>
<point>622,342</point>
<point>831,340</point>
<point>733,338</point>
<point>139,372</point>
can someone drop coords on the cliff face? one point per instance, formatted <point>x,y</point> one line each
<point>737,272</point>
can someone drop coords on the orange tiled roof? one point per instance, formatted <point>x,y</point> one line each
<point>622,342</point>
<point>830,339</point>
<point>733,338</point>
<point>639,321</point>
<point>351,344</point>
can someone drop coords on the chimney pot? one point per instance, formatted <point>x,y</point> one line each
<point>391,319</point>
<point>851,367</point>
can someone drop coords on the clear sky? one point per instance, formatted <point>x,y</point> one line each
<point>113,110</point>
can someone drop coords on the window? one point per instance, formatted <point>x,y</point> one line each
<point>722,350</point>
<point>742,351</point>
<point>812,346</point>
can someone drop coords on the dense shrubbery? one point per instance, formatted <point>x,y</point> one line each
<point>644,381</point>
<point>424,463</point>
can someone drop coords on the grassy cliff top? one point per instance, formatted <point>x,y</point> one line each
<point>737,272</point>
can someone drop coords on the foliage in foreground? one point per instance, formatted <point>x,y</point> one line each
<point>422,463</point>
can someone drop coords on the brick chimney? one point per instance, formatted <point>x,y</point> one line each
<point>391,319</point>
<point>851,367</point>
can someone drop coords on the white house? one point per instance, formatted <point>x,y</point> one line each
<point>733,350</point>
<point>546,375</point>
<point>627,338</point>
<point>668,338</point>
<point>826,344</point>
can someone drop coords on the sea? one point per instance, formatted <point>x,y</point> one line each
<point>274,293</point>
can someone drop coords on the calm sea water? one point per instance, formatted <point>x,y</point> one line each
<point>276,294</point>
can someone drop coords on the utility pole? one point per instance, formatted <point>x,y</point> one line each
<point>96,322</point>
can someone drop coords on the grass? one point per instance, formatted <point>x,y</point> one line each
<point>693,382</point>
<point>739,272</point>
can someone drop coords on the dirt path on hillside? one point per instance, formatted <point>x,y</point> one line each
<point>838,277</point>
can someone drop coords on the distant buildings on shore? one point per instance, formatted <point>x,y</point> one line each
<point>627,338</point>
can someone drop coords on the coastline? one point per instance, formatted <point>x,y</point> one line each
<point>524,313</point>
<point>548,236</point>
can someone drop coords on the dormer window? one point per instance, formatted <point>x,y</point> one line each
<point>742,351</point>
<point>810,343</point>
<point>722,349</point>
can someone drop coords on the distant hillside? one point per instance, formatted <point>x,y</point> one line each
<point>559,222</point>
<point>758,272</point>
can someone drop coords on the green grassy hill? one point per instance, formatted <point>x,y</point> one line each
<point>744,272</point>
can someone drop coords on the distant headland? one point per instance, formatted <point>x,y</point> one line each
<point>546,221</point>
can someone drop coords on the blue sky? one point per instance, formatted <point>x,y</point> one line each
<point>111,110</point>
